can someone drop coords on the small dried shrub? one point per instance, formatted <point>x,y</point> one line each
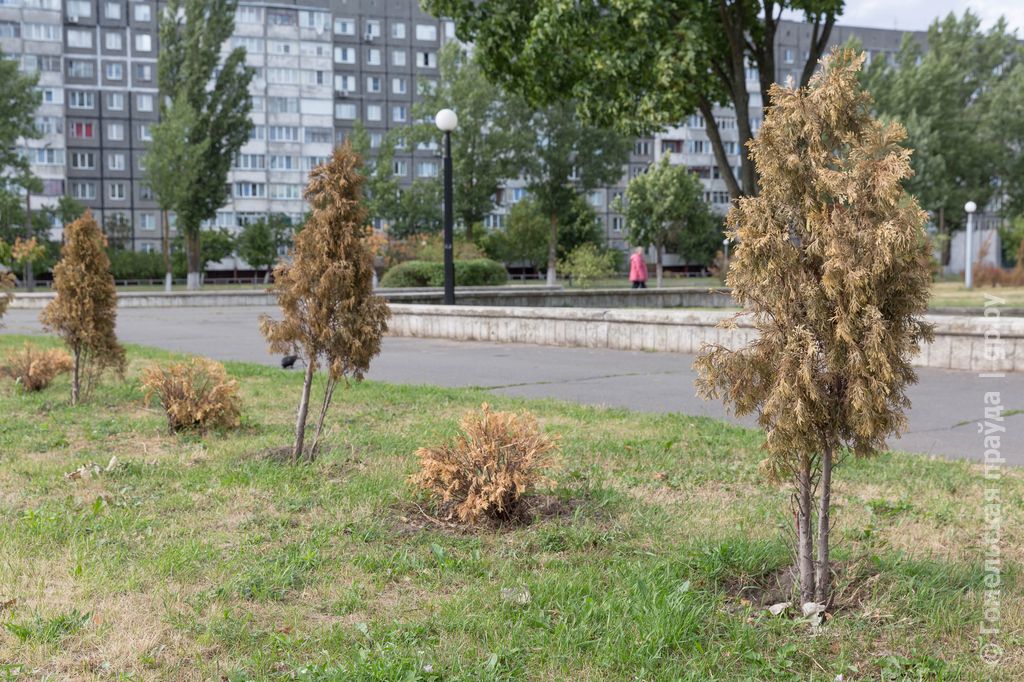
<point>497,459</point>
<point>986,275</point>
<point>6,283</point>
<point>33,369</point>
<point>195,395</point>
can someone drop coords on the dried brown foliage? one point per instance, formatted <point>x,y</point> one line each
<point>986,275</point>
<point>7,281</point>
<point>195,395</point>
<point>33,369</point>
<point>832,266</point>
<point>331,317</point>
<point>497,459</point>
<point>84,311</point>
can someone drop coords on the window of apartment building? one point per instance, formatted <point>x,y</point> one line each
<point>430,146</point>
<point>617,223</point>
<point>729,145</point>
<point>314,20</point>
<point>144,102</point>
<point>143,72</point>
<point>596,198</point>
<point>115,101</point>
<point>426,169</point>
<point>81,99</point>
<point>344,55</point>
<point>40,62</point>
<point>696,146</point>
<point>250,161</point>
<point>145,132</point>
<point>147,221</point>
<point>249,190</point>
<point>46,157</point>
<point>373,57</point>
<point>142,12</point>
<point>115,131</point>
<point>726,123</point>
<point>112,10</point>
<point>308,48</point>
<point>78,68</point>
<point>282,47</point>
<point>281,17</point>
<point>344,26</point>
<point>247,14</point>
<point>399,114</point>
<point>40,31</point>
<point>113,40</point>
<point>79,38</point>
<point>344,83</point>
<point>399,86</point>
<point>115,162</point>
<point>283,162</point>
<point>282,105</point>
<point>117,191</point>
<point>318,135</point>
<point>50,125</point>
<point>373,83</point>
<point>517,195</point>
<point>285,191</point>
<point>376,140</point>
<point>426,32</point>
<point>642,148</point>
<point>311,162</point>
<point>251,45</point>
<point>283,76</point>
<point>372,29</point>
<point>695,121</point>
<point>115,71</point>
<point>143,42</point>
<point>83,190</point>
<point>313,77</point>
<point>401,143</point>
<point>284,134</point>
<point>52,96</point>
<point>787,55</point>
<point>10,29</point>
<point>400,168</point>
<point>78,9</point>
<point>398,30</point>
<point>494,221</point>
<point>426,59</point>
<point>258,133</point>
<point>374,112</point>
<point>398,58</point>
<point>146,194</point>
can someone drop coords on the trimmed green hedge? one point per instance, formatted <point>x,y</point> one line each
<point>468,273</point>
<point>136,264</point>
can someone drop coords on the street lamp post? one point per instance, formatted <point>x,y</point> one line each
<point>725,248</point>
<point>446,121</point>
<point>970,207</point>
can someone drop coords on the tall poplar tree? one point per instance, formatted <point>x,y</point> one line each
<point>190,67</point>
<point>832,266</point>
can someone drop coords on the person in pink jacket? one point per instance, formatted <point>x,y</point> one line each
<point>638,269</point>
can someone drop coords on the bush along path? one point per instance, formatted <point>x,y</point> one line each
<point>655,552</point>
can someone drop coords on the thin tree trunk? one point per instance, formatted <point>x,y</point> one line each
<point>300,421</point>
<point>328,395</point>
<point>75,382</point>
<point>553,250</point>
<point>195,266</point>
<point>718,147</point>
<point>168,269</point>
<point>805,543</point>
<point>658,268</point>
<point>823,574</point>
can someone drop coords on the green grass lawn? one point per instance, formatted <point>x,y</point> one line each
<point>202,558</point>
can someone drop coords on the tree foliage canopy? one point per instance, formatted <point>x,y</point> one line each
<point>18,103</point>
<point>832,266</point>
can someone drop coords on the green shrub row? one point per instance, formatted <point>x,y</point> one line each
<point>468,273</point>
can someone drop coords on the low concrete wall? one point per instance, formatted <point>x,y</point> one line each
<point>959,342</point>
<point>517,296</point>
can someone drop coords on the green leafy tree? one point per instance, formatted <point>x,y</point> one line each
<point>216,244</point>
<point>832,267</point>
<point>485,144</point>
<point>18,103</point>
<point>951,97</point>
<point>190,67</point>
<point>330,316</point>
<point>84,310</point>
<point>67,210</point>
<point>564,159</point>
<point>383,192</point>
<point>118,231</point>
<point>663,204</point>
<point>419,209</point>
<point>588,262</point>
<point>258,243</point>
<point>173,169</point>
<point>640,65</point>
<point>524,237</point>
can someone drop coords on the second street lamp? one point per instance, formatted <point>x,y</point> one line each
<point>446,121</point>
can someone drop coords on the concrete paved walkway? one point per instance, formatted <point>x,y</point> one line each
<point>943,420</point>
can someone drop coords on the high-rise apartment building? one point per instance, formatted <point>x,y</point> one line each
<point>321,65</point>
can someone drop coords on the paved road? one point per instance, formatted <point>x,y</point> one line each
<point>942,420</point>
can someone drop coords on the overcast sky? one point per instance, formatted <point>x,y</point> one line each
<point>916,15</point>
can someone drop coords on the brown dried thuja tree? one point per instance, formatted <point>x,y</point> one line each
<point>832,267</point>
<point>326,292</point>
<point>84,311</point>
